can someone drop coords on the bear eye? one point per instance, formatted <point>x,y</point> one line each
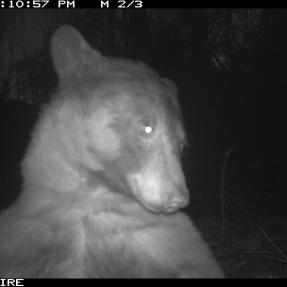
<point>184,148</point>
<point>147,126</point>
<point>148,129</point>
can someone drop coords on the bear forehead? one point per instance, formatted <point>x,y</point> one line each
<point>126,96</point>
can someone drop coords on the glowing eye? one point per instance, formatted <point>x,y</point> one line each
<point>148,130</point>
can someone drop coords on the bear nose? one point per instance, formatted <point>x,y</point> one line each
<point>178,200</point>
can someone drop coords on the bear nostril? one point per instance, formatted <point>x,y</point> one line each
<point>179,200</point>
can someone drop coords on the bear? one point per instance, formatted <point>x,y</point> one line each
<point>102,180</point>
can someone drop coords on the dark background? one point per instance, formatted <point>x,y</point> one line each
<point>230,66</point>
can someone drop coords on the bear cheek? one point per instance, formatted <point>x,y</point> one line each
<point>103,139</point>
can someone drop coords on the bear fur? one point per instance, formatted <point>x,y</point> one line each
<point>102,177</point>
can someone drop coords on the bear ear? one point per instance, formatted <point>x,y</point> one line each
<point>70,50</point>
